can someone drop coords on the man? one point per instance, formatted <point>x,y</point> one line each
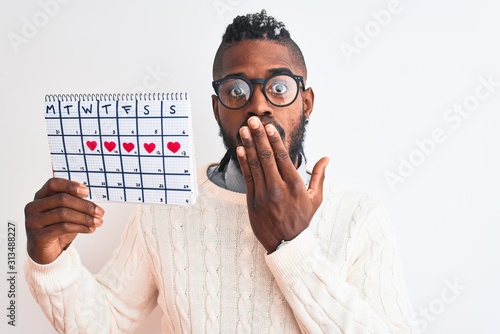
<point>264,249</point>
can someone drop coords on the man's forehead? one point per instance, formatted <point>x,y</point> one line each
<point>257,58</point>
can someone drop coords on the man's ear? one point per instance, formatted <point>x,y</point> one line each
<point>308,102</point>
<point>215,107</point>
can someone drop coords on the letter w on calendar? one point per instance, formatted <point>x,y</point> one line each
<point>125,147</point>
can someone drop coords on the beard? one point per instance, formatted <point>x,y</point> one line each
<point>296,146</point>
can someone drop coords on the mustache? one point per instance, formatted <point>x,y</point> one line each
<point>265,120</point>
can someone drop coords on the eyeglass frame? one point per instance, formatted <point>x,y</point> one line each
<point>251,82</point>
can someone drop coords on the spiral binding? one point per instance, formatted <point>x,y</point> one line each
<point>116,96</point>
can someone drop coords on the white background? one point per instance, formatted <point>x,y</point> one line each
<point>370,109</point>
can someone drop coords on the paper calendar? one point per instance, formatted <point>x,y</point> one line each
<point>124,147</point>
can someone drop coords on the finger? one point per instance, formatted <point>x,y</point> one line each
<point>315,190</point>
<point>62,215</point>
<point>63,200</point>
<point>252,158</point>
<point>282,159</point>
<point>59,185</point>
<point>264,150</point>
<point>245,171</point>
<point>55,231</point>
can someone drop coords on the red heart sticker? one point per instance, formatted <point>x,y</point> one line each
<point>173,146</point>
<point>149,147</point>
<point>128,146</point>
<point>110,145</point>
<point>91,144</point>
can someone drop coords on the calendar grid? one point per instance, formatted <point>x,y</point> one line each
<point>137,134</point>
<point>102,148</point>
<point>163,145</point>
<point>121,157</point>
<point>82,143</point>
<point>62,134</point>
<point>135,149</point>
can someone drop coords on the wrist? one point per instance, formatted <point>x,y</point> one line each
<point>282,243</point>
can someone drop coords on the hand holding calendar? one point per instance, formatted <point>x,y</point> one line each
<point>119,147</point>
<point>56,216</point>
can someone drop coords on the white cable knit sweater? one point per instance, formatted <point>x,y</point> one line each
<point>208,273</point>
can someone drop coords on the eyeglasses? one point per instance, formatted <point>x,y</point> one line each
<point>281,90</point>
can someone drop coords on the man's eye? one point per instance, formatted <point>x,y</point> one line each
<point>279,88</point>
<point>236,91</point>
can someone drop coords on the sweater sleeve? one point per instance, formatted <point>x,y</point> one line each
<point>115,301</point>
<point>368,297</point>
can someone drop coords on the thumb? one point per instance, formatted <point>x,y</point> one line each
<point>315,190</point>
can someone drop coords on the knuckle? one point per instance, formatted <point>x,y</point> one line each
<point>259,134</point>
<point>248,177</point>
<point>253,204</point>
<point>89,207</point>
<point>297,187</point>
<point>283,155</point>
<point>266,155</point>
<point>65,227</point>
<point>254,164</point>
<point>274,139</point>
<point>51,184</point>
<point>63,199</point>
<point>248,142</point>
<point>28,209</point>
<point>64,214</point>
<point>87,221</point>
<point>38,194</point>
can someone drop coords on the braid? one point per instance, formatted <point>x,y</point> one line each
<point>224,161</point>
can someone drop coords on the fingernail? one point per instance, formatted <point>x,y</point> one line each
<point>98,221</point>
<point>253,122</point>
<point>270,129</point>
<point>244,132</point>
<point>240,151</point>
<point>82,191</point>
<point>99,212</point>
<point>92,229</point>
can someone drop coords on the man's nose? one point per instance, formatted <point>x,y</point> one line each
<point>258,105</point>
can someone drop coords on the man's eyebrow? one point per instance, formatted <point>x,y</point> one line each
<point>280,70</point>
<point>238,74</point>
